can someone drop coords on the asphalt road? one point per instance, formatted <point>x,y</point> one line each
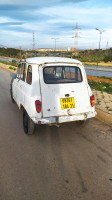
<point>66,163</point>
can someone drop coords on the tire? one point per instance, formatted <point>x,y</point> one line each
<point>11,91</point>
<point>28,124</point>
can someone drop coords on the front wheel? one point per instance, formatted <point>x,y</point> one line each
<point>11,90</point>
<point>28,124</point>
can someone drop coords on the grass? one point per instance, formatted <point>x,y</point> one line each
<point>98,101</point>
<point>101,86</point>
<point>9,63</point>
<point>108,64</point>
<point>11,67</point>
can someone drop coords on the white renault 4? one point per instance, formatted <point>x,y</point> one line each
<point>52,90</point>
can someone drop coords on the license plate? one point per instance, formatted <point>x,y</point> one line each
<point>67,103</point>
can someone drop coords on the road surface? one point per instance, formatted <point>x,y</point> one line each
<point>66,163</point>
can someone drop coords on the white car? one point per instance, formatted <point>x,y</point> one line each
<point>52,90</point>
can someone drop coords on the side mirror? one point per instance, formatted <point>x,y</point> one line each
<point>13,75</point>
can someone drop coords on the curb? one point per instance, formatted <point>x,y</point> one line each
<point>103,116</point>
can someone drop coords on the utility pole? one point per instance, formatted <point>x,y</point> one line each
<point>107,45</point>
<point>100,32</point>
<point>107,48</point>
<point>76,36</point>
<point>20,54</point>
<point>33,42</point>
<point>55,39</point>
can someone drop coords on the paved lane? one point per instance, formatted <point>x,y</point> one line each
<point>66,163</point>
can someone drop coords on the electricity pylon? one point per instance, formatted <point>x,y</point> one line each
<point>33,42</point>
<point>76,36</point>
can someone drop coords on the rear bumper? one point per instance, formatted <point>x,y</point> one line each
<point>62,119</point>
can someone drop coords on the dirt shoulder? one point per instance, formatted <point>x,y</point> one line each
<point>7,67</point>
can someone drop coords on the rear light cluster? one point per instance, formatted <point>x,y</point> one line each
<point>92,100</point>
<point>38,106</point>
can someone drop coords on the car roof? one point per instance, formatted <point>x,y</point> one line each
<point>47,60</point>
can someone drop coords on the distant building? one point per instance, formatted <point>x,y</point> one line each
<point>71,49</point>
<point>62,50</point>
<point>47,49</point>
<point>44,49</point>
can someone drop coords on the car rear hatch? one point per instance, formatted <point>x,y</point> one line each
<point>64,90</point>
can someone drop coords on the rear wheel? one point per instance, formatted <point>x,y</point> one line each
<point>28,124</point>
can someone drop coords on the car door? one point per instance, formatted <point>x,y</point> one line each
<point>21,84</point>
<point>15,84</point>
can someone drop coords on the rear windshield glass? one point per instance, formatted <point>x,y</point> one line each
<point>62,74</point>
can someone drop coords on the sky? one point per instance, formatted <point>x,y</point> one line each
<point>55,21</point>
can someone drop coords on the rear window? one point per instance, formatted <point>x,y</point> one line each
<point>62,74</point>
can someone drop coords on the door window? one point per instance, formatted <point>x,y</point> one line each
<point>23,71</point>
<point>19,71</point>
<point>29,75</point>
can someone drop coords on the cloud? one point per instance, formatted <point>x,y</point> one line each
<point>43,3</point>
<point>4,20</point>
<point>54,18</point>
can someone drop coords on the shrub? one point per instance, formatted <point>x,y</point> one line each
<point>101,86</point>
<point>107,58</point>
<point>10,67</point>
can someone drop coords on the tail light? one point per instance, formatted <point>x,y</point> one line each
<point>38,106</point>
<point>92,100</point>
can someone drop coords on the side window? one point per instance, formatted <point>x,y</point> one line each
<point>29,75</point>
<point>23,71</point>
<point>19,71</point>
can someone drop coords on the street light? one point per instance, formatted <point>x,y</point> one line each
<point>100,32</point>
<point>55,39</point>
